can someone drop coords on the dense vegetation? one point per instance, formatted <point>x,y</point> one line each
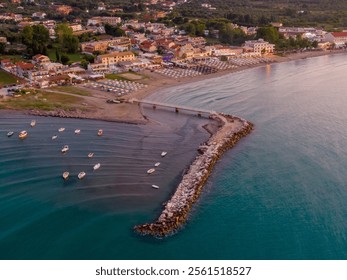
<point>326,13</point>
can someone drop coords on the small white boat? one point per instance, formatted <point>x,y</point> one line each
<point>66,175</point>
<point>65,149</point>
<point>150,171</point>
<point>61,129</point>
<point>23,134</point>
<point>54,137</point>
<point>33,123</point>
<point>90,155</point>
<point>81,175</point>
<point>163,154</point>
<point>77,131</point>
<point>96,166</point>
<point>157,164</point>
<point>10,133</point>
<point>155,187</point>
<point>100,132</point>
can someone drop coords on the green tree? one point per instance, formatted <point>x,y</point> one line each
<point>27,35</point>
<point>40,39</point>
<point>36,38</point>
<point>57,55</point>
<point>68,42</point>
<point>64,59</point>
<point>84,64</point>
<point>269,34</point>
<point>88,57</point>
<point>71,43</point>
<point>61,30</point>
<point>231,35</point>
<point>2,48</point>
<point>115,31</point>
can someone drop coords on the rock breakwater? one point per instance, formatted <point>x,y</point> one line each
<point>177,209</point>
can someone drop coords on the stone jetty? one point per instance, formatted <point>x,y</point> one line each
<point>176,211</point>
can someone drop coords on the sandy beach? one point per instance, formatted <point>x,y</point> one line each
<point>95,106</point>
<point>159,82</point>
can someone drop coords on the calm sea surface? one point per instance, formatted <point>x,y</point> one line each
<point>281,193</point>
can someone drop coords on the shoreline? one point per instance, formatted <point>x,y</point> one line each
<point>160,82</point>
<point>130,113</point>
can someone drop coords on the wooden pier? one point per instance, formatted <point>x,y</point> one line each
<point>176,108</point>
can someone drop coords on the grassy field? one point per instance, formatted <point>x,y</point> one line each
<point>124,77</point>
<point>71,89</point>
<point>6,79</point>
<point>115,77</point>
<point>43,101</point>
<point>75,57</point>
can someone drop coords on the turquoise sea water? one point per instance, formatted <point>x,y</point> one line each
<point>279,194</point>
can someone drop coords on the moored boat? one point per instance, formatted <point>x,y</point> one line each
<point>100,132</point>
<point>157,164</point>
<point>77,131</point>
<point>90,155</point>
<point>66,175</point>
<point>54,137</point>
<point>150,171</point>
<point>81,175</point>
<point>163,154</point>
<point>23,134</point>
<point>61,129</point>
<point>65,149</point>
<point>155,187</point>
<point>33,123</point>
<point>10,133</point>
<point>96,166</point>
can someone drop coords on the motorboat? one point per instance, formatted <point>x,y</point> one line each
<point>96,166</point>
<point>155,187</point>
<point>66,175</point>
<point>23,134</point>
<point>65,149</point>
<point>33,123</point>
<point>157,164</point>
<point>163,154</point>
<point>100,132</point>
<point>90,155</point>
<point>77,131</point>
<point>54,137</point>
<point>150,171</point>
<point>81,175</point>
<point>61,129</point>
<point>10,133</point>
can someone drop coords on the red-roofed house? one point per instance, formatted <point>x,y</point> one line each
<point>148,46</point>
<point>40,59</point>
<point>5,62</point>
<point>23,68</point>
<point>338,38</point>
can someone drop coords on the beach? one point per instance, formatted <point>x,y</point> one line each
<point>94,106</point>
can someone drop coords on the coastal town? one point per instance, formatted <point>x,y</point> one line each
<point>211,132</point>
<point>89,53</point>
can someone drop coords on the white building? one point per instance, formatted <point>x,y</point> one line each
<point>337,38</point>
<point>259,46</point>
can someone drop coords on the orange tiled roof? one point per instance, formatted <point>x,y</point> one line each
<point>339,34</point>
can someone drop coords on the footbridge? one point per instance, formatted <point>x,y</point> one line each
<point>176,108</point>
